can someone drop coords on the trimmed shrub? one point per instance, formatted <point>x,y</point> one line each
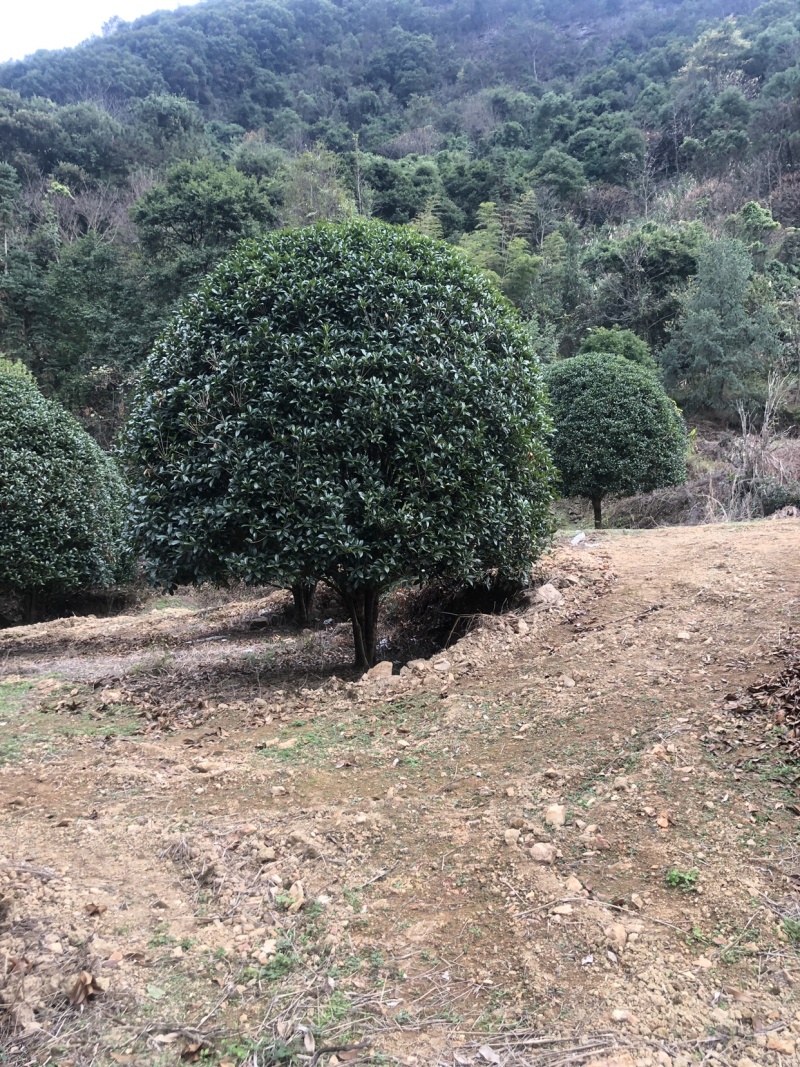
<point>346,403</point>
<point>618,342</point>
<point>616,430</point>
<point>63,500</point>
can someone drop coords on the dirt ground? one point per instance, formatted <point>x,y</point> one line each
<point>551,844</point>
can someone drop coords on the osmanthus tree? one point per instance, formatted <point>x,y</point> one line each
<point>616,430</point>
<point>349,403</point>
<point>63,499</point>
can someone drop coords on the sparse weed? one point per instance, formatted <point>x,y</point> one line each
<point>686,881</point>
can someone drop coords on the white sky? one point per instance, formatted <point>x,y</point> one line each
<point>27,25</point>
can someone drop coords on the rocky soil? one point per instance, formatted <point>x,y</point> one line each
<point>554,843</point>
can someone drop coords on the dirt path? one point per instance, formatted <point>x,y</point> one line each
<point>550,845</point>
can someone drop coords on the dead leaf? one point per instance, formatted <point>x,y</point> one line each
<point>94,908</point>
<point>79,987</point>
<point>489,1054</point>
<point>297,895</point>
<point>738,995</point>
<point>309,1042</point>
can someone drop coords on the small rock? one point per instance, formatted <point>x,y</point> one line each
<point>621,783</point>
<point>618,1059</point>
<point>420,666</point>
<point>617,936</point>
<point>567,682</point>
<point>511,836</point>
<point>556,815</point>
<point>522,626</point>
<point>549,596</point>
<point>781,1043</point>
<point>578,538</point>
<point>622,1015</point>
<point>562,909</point>
<point>543,853</point>
<point>637,901</point>
<point>443,666</point>
<point>380,671</point>
<point>683,635</point>
<point>703,963</point>
<point>573,884</point>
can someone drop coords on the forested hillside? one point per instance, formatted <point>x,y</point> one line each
<point>616,164</point>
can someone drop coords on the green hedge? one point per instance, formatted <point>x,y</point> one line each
<point>62,500</point>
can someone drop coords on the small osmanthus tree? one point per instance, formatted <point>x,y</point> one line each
<point>62,500</point>
<point>616,430</point>
<point>347,403</point>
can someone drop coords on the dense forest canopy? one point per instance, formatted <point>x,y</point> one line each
<point>611,163</point>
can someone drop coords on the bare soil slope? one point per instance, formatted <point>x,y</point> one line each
<point>551,845</point>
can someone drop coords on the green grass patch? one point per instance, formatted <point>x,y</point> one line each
<point>44,730</point>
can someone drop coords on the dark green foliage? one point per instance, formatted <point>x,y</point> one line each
<point>349,403</point>
<point>725,337</point>
<point>619,342</point>
<point>62,498</point>
<point>640,131</point>
<point>639,277</point>
<point>188,223</point>
<point>616,430</point>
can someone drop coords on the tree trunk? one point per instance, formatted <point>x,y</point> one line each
<point>31,607</point>
<point>363,608</point>
<point>597,504</point>
<point>303,594</point>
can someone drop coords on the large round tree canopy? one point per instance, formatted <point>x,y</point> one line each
<point>616,430</point>
<point>345,402</point>
<point>63,501</point>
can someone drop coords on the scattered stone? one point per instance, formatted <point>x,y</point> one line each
<point>562,909</point>
<point>621,783</point>
<point>637,901</point>
<point>578,539</point>
<point>443,666</point>
<point>543,853</point>
<point>617,936</point>
<point>619,1059</point>
<point>684,635</point>
<point>522,627</point>
<point>781,1043</point>
<point>380,671</point>
<point>511,836</point>
<point>567,682</point>
<point>419,666</point>
<point>574,885</point>
<point>548,596</point>
<point>556,815</point>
